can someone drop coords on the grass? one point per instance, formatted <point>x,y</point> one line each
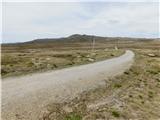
<point>117,85</point>
<point>150,94</point>
<point>73,116</point>
<point>20,63</point>
<point>116,114</point>
<point>137,93</point>
<point>137,96</point>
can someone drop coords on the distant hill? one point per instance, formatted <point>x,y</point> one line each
<point>80,38</point>
<point>72,38</point>
<point>78,41</point>
<point>85,38</point>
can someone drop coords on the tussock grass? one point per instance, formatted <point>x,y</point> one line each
<point>136,96</point>
<point>19,63</point>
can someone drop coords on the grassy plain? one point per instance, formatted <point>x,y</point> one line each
<point>43,55</point>
<point>134,95</point>
<point>38,60</point>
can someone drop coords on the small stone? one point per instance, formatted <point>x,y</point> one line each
<point>88,56</point>
<point>106,49</point>
<point>48,58</point>
<point>116,48</point>
<point>90,60</point>
<point>79,56</point>
<point>67,109</point>
<point>151,55</point>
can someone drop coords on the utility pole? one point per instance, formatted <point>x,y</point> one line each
<point>116,45</point>
<point>93,43</point>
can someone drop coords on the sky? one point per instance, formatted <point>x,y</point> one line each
<point>25,21</point>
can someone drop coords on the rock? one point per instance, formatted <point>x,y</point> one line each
<point>90,60</point>
<point>106,49</point>
<point>48,58</point>
<point>88,56</point>
<point>79,56</point>
<point>67,109</point>
<point>33,59</point>
<point>151,55</point>
<point>116,48</point>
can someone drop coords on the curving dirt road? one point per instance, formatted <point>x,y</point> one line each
<point>24,98</point>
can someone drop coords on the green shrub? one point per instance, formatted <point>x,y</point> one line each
<point>140,96</point>
<point>150,94</point>
<point>30,64</point>
<point>154,72</point>
<point>115,114</point>
<point>3,71</point>
<point>126,72</point>
<point>73,116</point>
<point>117,85</point>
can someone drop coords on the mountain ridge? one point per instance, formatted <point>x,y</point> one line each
<point>82,38</point>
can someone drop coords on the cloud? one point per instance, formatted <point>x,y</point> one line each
<point>27,21</point>
<point>129,19</point>
<point>81,0</point>
<point>36,19</point>
<point>132,16</point>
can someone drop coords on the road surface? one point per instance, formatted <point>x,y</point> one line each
<point>26,97</point>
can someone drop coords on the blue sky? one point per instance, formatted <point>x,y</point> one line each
<point>25,21</point>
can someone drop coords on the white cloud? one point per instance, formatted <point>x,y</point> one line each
<point>126,14</point>
<point>36,19</point>
<point>27,21</point>
<point>133,17</point>
<point>80,0</point>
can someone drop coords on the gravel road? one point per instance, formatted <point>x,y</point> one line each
<point>26,97</point>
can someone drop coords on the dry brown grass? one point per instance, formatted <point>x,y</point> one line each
<point>37,60</point>
<point>18,59</point>
<point>133,95</point>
